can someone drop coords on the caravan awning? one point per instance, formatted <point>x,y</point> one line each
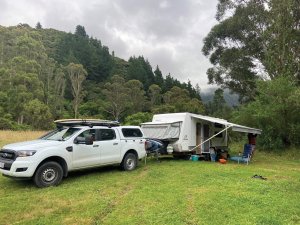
<point>233,126</point>
<point>244,129</point>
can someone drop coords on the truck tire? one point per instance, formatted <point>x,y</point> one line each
<point>48,174</point>
<point>129,162</point>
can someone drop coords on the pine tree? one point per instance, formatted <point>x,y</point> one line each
<point>80,31</point>
<point>38,26</point>
<point>158,78</point>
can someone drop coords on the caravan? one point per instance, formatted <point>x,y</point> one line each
<point>187,133</point>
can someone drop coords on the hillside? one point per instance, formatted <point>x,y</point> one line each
<point>47,74</point>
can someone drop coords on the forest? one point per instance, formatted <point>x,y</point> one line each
<point>254,49</point>
<point>48,74</point>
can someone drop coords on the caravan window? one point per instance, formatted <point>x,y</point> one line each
<point>219,135</point>
<point>218,125</point>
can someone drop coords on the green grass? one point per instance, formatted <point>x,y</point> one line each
<point>170,192</point>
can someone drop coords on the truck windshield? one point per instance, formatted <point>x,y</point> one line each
<point>61,134</point>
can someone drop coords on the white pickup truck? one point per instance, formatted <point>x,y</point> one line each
<point>73,146</point>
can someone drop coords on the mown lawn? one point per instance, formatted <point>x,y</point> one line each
<point>169,192</point>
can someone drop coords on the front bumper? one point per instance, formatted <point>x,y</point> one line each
<point>19,167</point>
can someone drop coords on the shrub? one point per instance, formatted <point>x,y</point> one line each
<point>138,118</point>
<point>6,124</point>
<point>276,111</point>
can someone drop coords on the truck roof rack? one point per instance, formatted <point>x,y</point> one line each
<point>85,122</point>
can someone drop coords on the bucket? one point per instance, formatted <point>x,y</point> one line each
<point>194,157</point>
<point>213,157</point>
<point>223,161</point>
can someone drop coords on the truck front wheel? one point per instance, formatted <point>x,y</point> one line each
<point>48,174</point>
<point>129,162</point>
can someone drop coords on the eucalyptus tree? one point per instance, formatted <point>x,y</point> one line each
<point>178,100</point>
<point>117,97</point>
<point>155,94</point>
<point>254,39</point>
<point>77,75</point>
<point>136,95</point>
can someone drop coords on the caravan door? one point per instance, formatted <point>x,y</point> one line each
<point>202,134</point>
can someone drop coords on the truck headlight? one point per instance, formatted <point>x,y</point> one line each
<point>25,153</point>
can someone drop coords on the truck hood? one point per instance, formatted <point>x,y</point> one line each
<point>32,145</point>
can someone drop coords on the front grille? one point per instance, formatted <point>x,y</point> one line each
<point>7,166</point>
<point>7,154</point>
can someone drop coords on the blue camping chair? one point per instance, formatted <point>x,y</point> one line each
<point>153,147</point>
<point>245,157</point>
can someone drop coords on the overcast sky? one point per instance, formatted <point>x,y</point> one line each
<point>168,33</point>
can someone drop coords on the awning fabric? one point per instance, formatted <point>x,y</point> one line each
<point>234,127</point>
<point>244,129</point>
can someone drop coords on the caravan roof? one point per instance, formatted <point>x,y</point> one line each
<point>170,118</point>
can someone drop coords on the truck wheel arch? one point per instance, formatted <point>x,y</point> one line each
<point>59,160</point>
<point>131,151</point>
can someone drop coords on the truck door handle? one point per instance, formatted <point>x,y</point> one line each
<point>95,146</point>
<point>115,143</point>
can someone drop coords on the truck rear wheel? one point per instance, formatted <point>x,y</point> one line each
<point>129,162</point>
<point>48,174</point>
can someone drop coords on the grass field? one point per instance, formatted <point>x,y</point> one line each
<point>169,192</point>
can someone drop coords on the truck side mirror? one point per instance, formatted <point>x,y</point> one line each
<point>89,140</point>
<point>79,140</point>
<point>76,141</point>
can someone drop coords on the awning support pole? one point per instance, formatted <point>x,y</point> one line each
<point>211,137</point>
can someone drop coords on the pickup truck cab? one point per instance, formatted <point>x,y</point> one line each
<point>73,146</point>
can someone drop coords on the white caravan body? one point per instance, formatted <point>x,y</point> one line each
<point>192,133</point>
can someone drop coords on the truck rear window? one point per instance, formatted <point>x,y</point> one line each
<point>106,134</point>
<point>132,132</point>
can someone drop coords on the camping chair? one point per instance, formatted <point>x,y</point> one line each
<point>245,157</point>
<point>153,148</point>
